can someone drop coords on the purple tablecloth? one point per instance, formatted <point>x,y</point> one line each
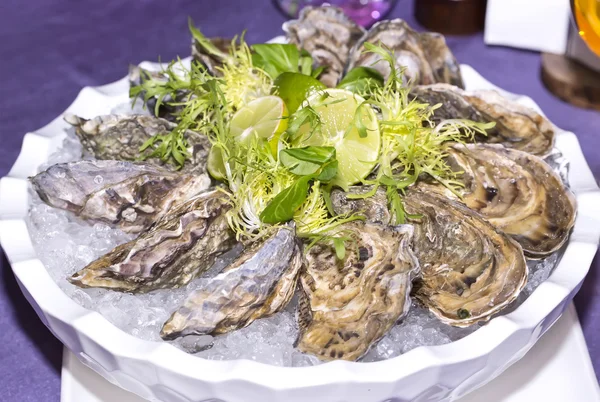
<point>51,49</point>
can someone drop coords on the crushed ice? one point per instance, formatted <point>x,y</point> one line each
<point>66,244</point>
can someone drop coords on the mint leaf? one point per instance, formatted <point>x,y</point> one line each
<point>284,205</point>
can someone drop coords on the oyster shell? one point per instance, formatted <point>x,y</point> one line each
<point>258,284</point>
<point>212,61</point>
<point>348,305</point>
<point>165,111</point>
<point>128,195</point>
<point>515,191</point>
<point>327,34</point>
<point>470,270</point>
<point>517,126</point>
<point>425,56</point>
<point>119,137</point>
<point>178,248</point>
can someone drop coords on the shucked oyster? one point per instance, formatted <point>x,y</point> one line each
<point>425,56</point>
<point>517,126</point>
<point>327,34</point>
<point>470,270</point>
<point>119,137</point>
<point>515,191</point>
<point>128,195</point>
<point>179,247</point>
<point>349,304</point>
<point>258,284</point>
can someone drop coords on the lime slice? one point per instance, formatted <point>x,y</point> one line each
<point>215,165</point>
<point>356,156</point>
<point>264,117</point>
<point>294,88</point>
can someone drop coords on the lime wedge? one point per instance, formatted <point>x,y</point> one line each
<point>356,155</point>
<point>294,88</point>
<point>215,164</point>
<point>265,117</point>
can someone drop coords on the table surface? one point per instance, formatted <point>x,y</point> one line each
<point>51,49</point>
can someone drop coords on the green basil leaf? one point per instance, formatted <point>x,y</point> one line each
<point>282,207</point>
<point>328,172</point>
<point>276,58</point>
<point>314,154</point>
<point>340,248</point>
<point>361,80</point>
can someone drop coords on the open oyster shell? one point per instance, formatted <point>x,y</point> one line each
<point>128,195</point>
<point>515,191</point>
<point>119,137</point>
<point>327,34</point>
<point>348,305</point>
<point>178,248</point>
<point>470,270</point>
<point>258,284</point>
<point>425,56</point>
<point>517,126</point>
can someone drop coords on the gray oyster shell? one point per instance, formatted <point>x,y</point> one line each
<point>258,284</point>
<point>166,111</point>
<point>328,35</point>
<point>177,249</point>
<point>130,196</point>
<point>517,126</point>
<point>470,270</point>
<point>425,56</point>
<point>515,191</point>
<point>347,305</point>
<point>119,137</point>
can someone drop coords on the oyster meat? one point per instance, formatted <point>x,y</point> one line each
<point>517,126</point>
<point>258,284</point>
<point>165,110</point>
<point>178,248</point>
<point>515,191</point>
<point>128,195</point>
<point>347,305</point>
<point>327,34</point>
<point>470,270</point>
<point>119,137</point>
<point>425,56</point>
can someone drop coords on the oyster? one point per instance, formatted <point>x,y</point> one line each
<point>258,284</point>
<point>349,304</point>
<point>425,56</point>
<point>178,248</point>
<point>128,195</point>
<point>165,110</point>
<point>214,58</point>
<point>119,137</point>
<point>517,126</point>
<point>470,270</point>
<point>327,34</point>
<point>515,191</point>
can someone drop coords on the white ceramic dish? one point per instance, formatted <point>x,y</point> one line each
<point>159,371</point>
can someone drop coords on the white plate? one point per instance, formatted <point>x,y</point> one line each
<point>157,370</point>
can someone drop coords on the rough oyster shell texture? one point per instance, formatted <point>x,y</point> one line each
<point>515,191</point>
<point>128,195</point>
<point>425,56</point>
<point>178,248</point>
<point>348,305</point>
<point>517,126</point>
<point>119,137</point>
<point>328,35</point>
<point>258,284</point>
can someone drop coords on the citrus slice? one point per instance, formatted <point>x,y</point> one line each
<point>265,117</point>
<point>294,88</point>
<point>337,110</point>
<point>215,164</point>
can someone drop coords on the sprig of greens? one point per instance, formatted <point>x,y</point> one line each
<point>278,58</point>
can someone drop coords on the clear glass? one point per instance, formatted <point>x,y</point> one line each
<point>586,15</point>
<point>363,12</point>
